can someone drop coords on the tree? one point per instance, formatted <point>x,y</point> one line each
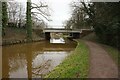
<point>79,16</point>
<point>0,19</point>
<point>104,17</point>
<point>16,14</point>
<point>4,17</point>
<point>13,10</point>
<point>107,26</point>
<point>29,14</point>
<point>69,24</point>
<point>21,16</point>
<point>40,11</point>
<point>28,20</point>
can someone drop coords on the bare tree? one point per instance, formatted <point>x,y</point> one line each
<point>21,15</point>
<point>33,11</point>
<point>79,15</point>
<point>16,12</point>
<point>41,9</point>
<point>13,9</point>
<point>40,14</point>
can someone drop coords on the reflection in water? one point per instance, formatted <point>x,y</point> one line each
<point>18,67</point>
<point>61,40</point>
<point>43,63</point>
<point>0,61</point>
<point>33,60</point>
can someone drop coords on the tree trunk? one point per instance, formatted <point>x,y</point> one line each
<point>29,21</point>
<point>4,17</point>
<point>0,20</point>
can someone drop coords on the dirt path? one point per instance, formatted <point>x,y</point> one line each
<point>101,64</point>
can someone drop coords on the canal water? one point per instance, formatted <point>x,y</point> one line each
<point>34,60</point>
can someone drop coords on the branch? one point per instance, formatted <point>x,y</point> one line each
<point>42,12</point>
<point>38,8</point>
<point>39,11</point>
<point>87,10</point>
<point>41,6</point>
<point>41,15</point>
<point>37,18</point>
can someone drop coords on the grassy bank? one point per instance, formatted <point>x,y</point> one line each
<point>75,65</point>
<point>113,52</point>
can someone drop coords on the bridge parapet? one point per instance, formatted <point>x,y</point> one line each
<point>61,31</point>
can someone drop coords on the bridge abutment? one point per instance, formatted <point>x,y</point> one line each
<point>75,35</point>
<point>47,35</point>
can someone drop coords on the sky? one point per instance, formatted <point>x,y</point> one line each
<point>59,10</point>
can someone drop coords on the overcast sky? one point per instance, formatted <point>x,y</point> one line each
<point>60,11</point>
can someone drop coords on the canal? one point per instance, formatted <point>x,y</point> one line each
<point>34,60</point>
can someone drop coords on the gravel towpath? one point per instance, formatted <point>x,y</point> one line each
<point>101,64</point>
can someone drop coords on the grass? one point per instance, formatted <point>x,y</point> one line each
<point>113,52</point>
<point>76,65</point>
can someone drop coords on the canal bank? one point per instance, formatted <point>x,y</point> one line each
<point>18,36</point>
<point>76,65</point>
<point>20,41</point>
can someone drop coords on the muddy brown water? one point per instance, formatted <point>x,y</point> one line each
<point>34,60</point>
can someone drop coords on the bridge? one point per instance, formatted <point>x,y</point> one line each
<point>61,30</point>
<point>73,33</point>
